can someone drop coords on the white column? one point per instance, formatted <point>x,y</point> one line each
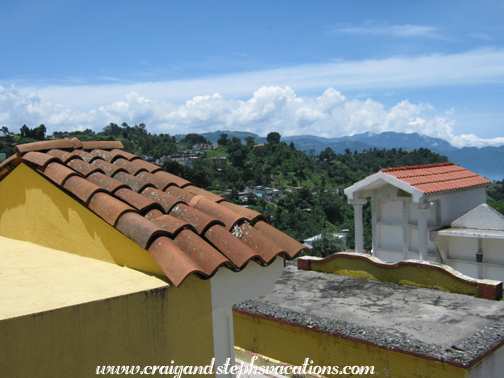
<point>422,230</point>
<point>228,288</point>
<point>359,227</point>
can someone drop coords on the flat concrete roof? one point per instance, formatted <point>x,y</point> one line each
<point>406,317</point>
<point>34,279</point>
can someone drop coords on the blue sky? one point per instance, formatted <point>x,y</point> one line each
<point>328,68</point>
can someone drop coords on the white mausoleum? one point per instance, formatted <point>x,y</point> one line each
<point>410,207</point>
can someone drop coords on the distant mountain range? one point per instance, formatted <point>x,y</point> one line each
<point>486,161</point>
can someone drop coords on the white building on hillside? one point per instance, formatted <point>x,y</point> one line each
<point>410,202</point>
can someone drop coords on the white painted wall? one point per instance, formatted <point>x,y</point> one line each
<point>229,288</point>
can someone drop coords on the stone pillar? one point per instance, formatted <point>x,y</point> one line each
<point>423,235</point>
<point>359,227</point>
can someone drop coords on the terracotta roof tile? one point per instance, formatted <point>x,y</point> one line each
<point>228,217</point>
<point>142,231</point>
<point>125,154</point>
<point>157,181</point>
<point>437,178</point>
<point>251,215</point>
<point>175,180</point>
<point>128,166</point>
<point>135,183</point>
<point>167,201</point>
<point>151,207</point>
<point>105,155</point>
<point>201,192</point>
<point>64,156</point>
<point>82,167</point>
<point>152,168</point>
<point>181,194</point>
<point>108,168</point>
<point>108,207</point>
<point>102,144</point>
<point>231,247</point>
<point>44,145</point>
<point>262,245</point>
<point>105,182</point>
<point>86,156</point>
<point>171,224</point>
<point>173,261</point>
<point>141,203</point>
<point>82,188</point>
<point>202,253</point>
<point>58,172</point>
<point>200,221</point>
<point>40,158</point>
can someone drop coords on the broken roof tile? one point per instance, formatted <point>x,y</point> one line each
<point>108,207</point>
<point>138,201</point>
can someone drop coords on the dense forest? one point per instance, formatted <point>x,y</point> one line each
<point>311,202</point>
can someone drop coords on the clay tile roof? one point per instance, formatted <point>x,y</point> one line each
<point>186,230</point>
<point>437,178</point>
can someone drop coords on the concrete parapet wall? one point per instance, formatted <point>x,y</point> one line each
<point>292,343</point>
<point>409,272</point>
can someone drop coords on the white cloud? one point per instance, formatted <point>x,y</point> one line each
<point>269,109</point>
<point>376,28</point>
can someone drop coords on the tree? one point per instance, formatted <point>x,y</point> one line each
<point>273,138</point>
<point>327,244</point>
<point>4,130</point>
<point>193,139</point>
<point>250,141</point>
<point>39,132</point>
<point>223,140</point>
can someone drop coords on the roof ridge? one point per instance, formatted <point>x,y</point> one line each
<point>413,167</point>
<point>65,144</point>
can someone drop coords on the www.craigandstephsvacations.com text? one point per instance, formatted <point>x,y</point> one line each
<point>178,371</point>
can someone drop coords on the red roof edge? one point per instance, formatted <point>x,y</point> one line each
<point>411,167</point>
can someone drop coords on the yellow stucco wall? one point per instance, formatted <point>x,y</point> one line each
<point>293,345</point>
<point>405,274</point>
<point>33,209</point>
<point>147,328</point>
